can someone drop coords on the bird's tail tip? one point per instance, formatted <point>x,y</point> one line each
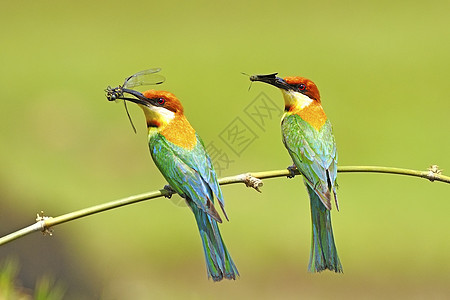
<point>231,275</point>
<point>230,272</point>
<point>337,268</point>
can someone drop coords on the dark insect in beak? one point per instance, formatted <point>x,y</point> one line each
<point>272,79</point>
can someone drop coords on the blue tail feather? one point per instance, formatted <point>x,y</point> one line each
<point>323,250</point>
<point>218,261</point>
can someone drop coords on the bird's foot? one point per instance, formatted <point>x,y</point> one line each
<point>292,172</point>
<point>170,191</point>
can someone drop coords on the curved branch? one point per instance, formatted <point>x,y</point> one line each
<point>253,180</point>
<point>433,173</point>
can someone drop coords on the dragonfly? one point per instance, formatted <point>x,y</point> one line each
<point>145,77</point>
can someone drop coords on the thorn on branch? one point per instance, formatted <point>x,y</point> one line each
<point>252,182</point>
<point>433,170</point>
<point>41,218</point>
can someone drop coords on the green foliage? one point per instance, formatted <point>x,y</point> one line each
<point>11,289</point>
<point>47,288</point>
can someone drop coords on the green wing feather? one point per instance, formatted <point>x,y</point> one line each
<point>189,172</point>
<point>314,153</point>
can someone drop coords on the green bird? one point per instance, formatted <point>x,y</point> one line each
<point>308,137</point>
<point>180,155</point>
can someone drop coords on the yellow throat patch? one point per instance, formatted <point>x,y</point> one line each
<point>180,132</point>
<point>313,114</point>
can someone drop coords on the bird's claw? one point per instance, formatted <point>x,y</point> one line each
<point>170,191</point>
<point>291,170</point>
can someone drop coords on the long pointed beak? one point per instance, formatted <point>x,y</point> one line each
<point>271,79</point>
<point>140,99</point>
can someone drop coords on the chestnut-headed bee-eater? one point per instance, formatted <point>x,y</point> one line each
<point>308,137</point>
<point>180,155</point>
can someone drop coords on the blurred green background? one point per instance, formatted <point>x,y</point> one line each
<point>383,70</point>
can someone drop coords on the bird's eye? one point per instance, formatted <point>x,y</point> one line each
<point>301,86</point>
<point>161,101</point>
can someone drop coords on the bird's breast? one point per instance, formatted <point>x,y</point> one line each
<point>180,132</point>
<point>313,114</point>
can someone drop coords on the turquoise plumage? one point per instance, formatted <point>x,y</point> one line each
<point>191,174</point>
<point>180,155</point>
<point>308,137</point>
<point>314,154</point>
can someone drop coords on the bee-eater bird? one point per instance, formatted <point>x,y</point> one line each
<point>308,137</point>
<point>180,155</point>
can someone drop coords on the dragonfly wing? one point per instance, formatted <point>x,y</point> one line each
<point>145,77</point>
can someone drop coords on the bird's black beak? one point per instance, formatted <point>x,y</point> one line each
<point>271,79</point>
<point>140,99</point>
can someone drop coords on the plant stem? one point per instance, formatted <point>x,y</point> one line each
<point>250,179</point>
